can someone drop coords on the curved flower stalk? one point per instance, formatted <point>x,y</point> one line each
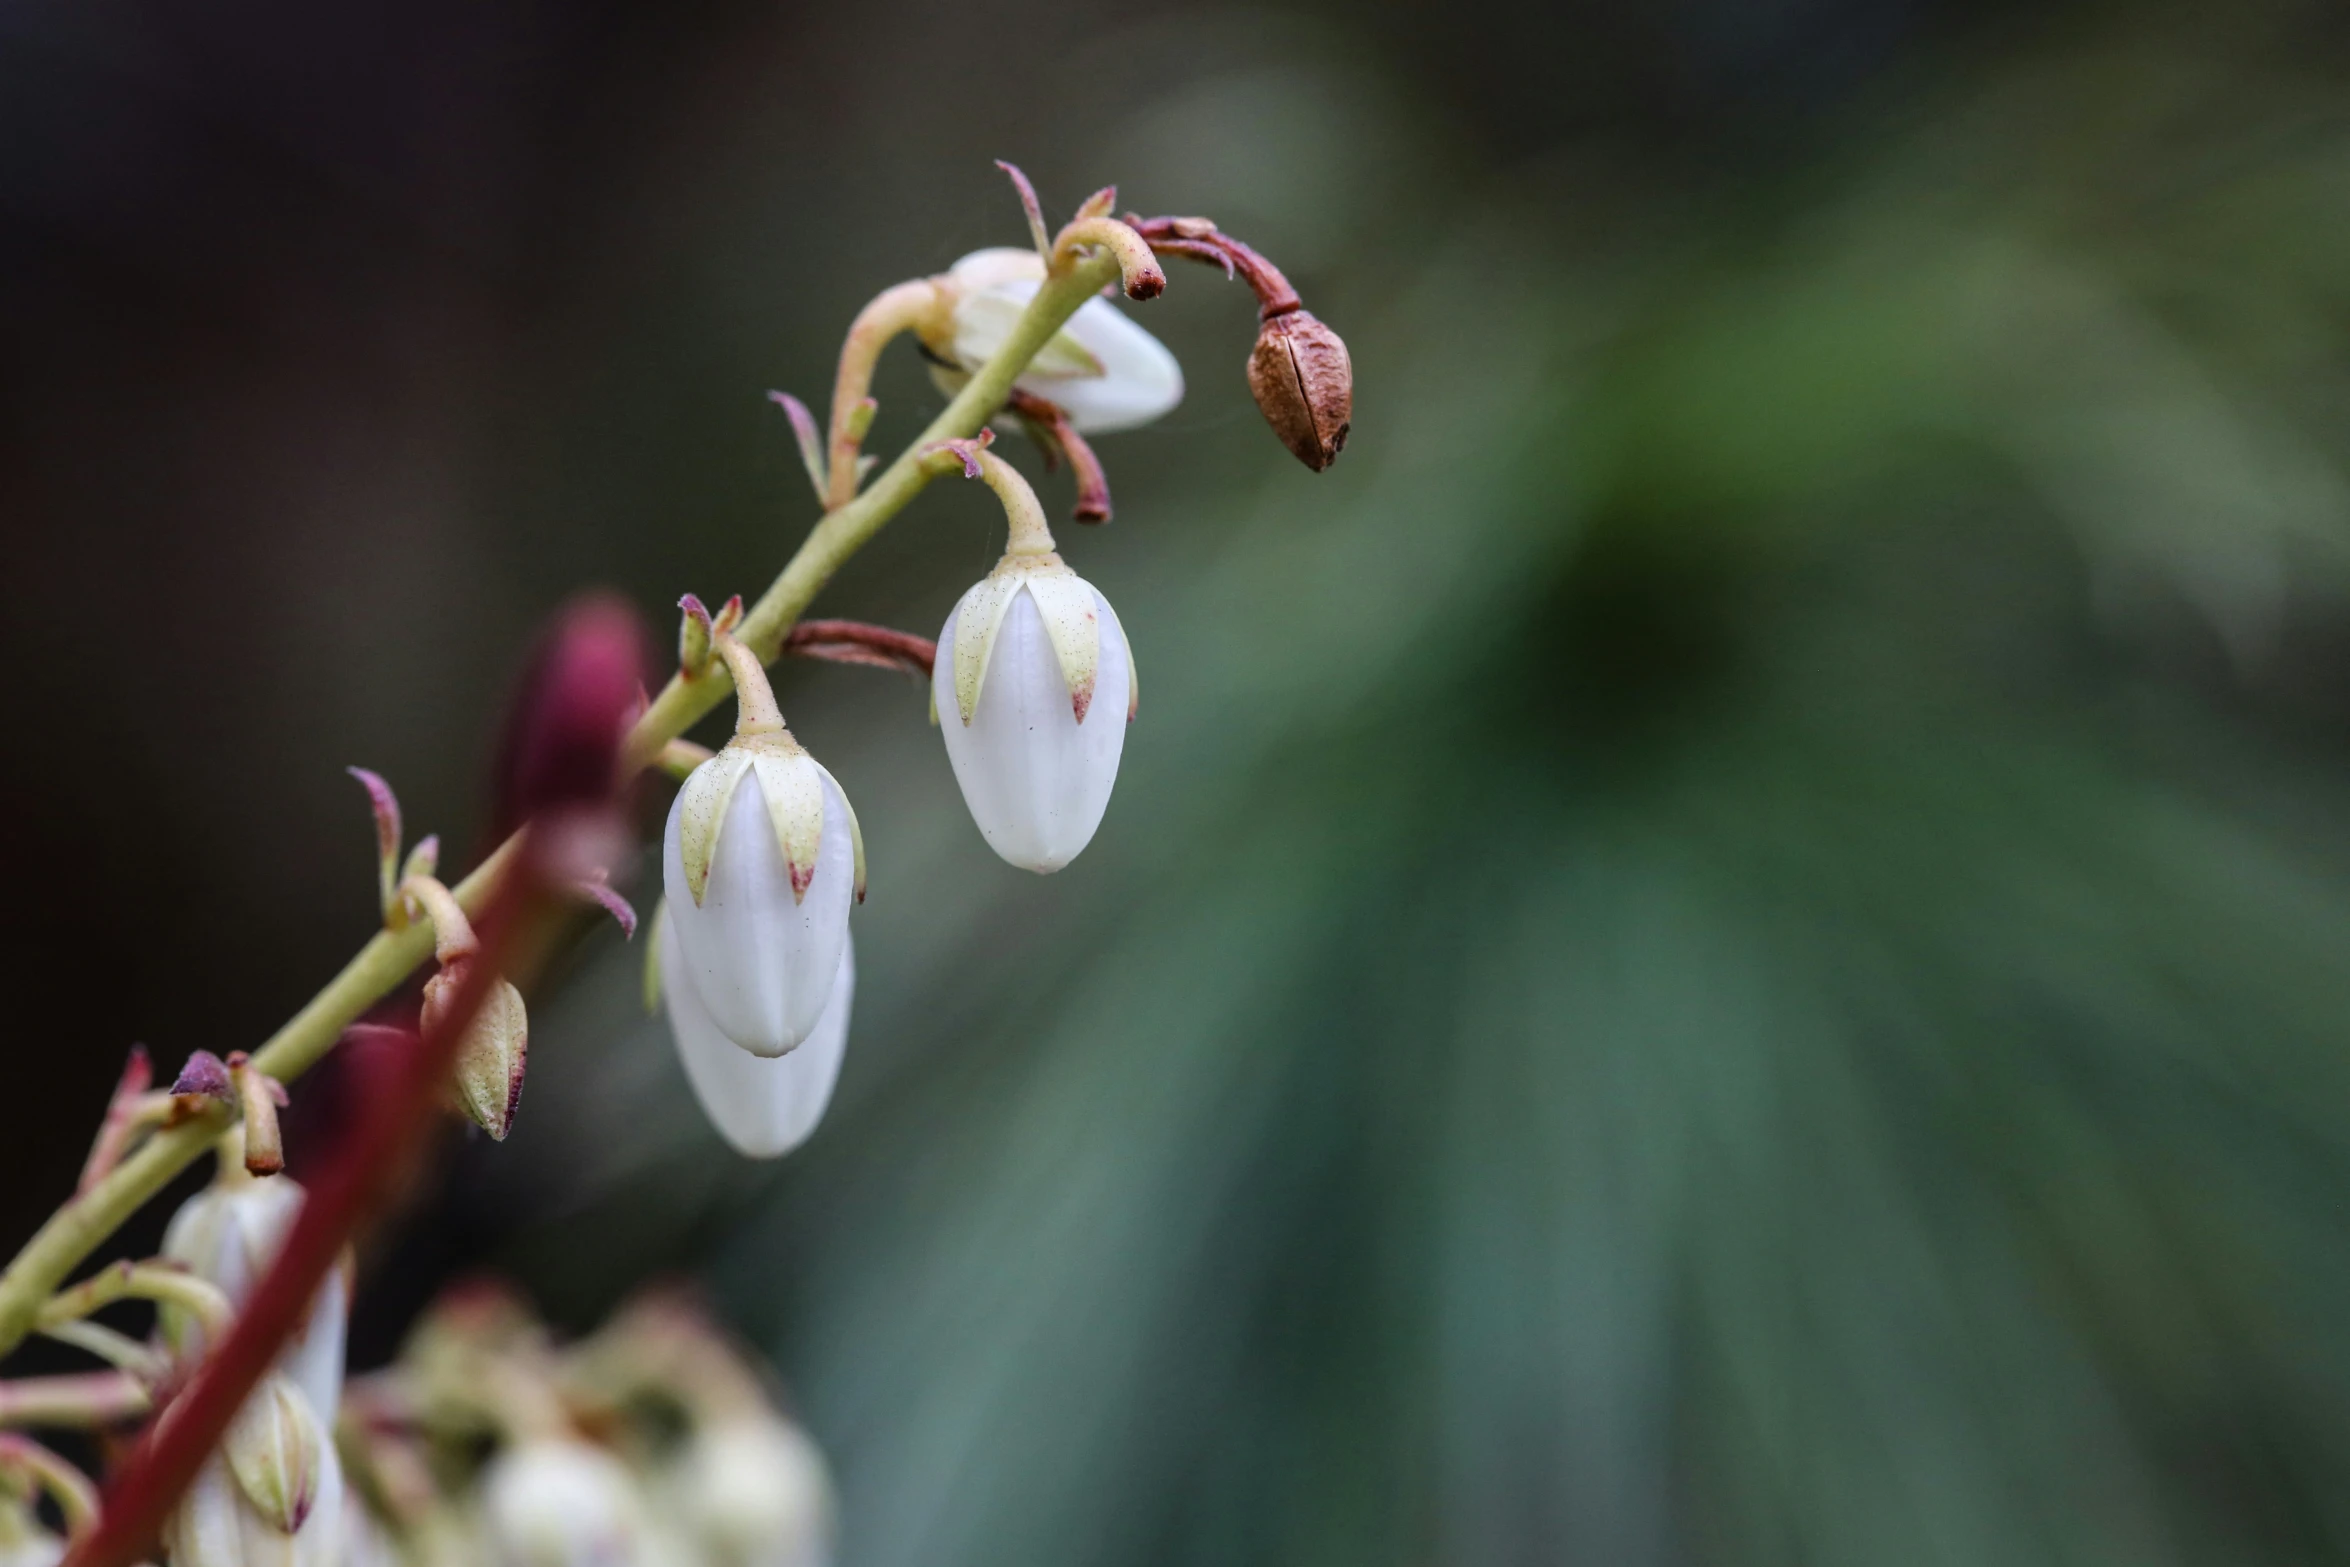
<point>29,1471</point>
<point>228,1234</point>
<point>765,1107</point>
<point>1299,372</point>
<point>1035,684</point>
<point>760,861</point>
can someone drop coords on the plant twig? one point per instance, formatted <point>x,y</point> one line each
<point>117,1349</point>
<point>81,1399</point>
<point>165,1283</point>
<point>125,1112</point>
<point>855,642</point>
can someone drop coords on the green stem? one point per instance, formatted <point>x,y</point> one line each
<point>77,1400</point>
<point>1028,533</point>
<point>164,1283</point>
<point>76,1229</point>
<point>68,1487</point>
<point>117,1349</point>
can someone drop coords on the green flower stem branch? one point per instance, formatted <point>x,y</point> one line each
<point>164,1283</point>
<point>84,1222</point>
<point>76,1399</point>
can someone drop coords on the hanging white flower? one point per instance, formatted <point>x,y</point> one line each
<point>555,1502</point>
<point>764,1107</point>
<point>752,1491</point>
<point>1034,684</point>
<point>228,1234</point>
<point>760,861</point>
<point>1105,372</point>
<point>1034,700</point>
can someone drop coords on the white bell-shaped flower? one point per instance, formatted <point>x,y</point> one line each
<point>560,1503</point>
<point>216,1524</point>
<point>1105,372</point>
<point>764,1106</point>
<point>228,1234</point>
<point>760,862</point>
<point>752,1491</point>
<point>1034,684</point>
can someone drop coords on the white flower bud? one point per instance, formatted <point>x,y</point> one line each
<point>764,1107</point>
<point>753,1492</point>
<point>1034,683</point>
<point>228,1234</point>
<point>216,1524</point>
<point>1102,370</point>
<point>487,1081</point>
<point>560,1503</point>
<point>760,861</point>
<point>275,1452</point>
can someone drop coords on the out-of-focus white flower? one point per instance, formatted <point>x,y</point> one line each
<point>217,1525</point>
<point>228,1234</point>
<point>1105,372</point>
<point>23,1540</point>
<point>560,1503</point>
<point>760,861</point>
<point>753,1492</point>
<point>765,1107</point>
<point>365,1541</point>
<point>1034,683</point>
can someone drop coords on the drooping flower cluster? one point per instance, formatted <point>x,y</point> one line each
<point>273,1494</point>
<point>1032,677</point>
<point>652,1443</point>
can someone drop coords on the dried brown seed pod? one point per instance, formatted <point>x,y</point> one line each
<point>1304,382</point>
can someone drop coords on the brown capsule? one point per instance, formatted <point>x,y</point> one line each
<point>1304,382</point>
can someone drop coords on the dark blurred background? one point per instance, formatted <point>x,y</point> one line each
<point>1727,945</point>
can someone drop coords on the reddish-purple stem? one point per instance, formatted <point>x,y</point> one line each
<point>387,811</point>
<point>855,642</point>
<point>138,1075</point>
<point>599,892</point>
<point>1196,239</point>
<point>1059,438</point>
<point>1030,205</point>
